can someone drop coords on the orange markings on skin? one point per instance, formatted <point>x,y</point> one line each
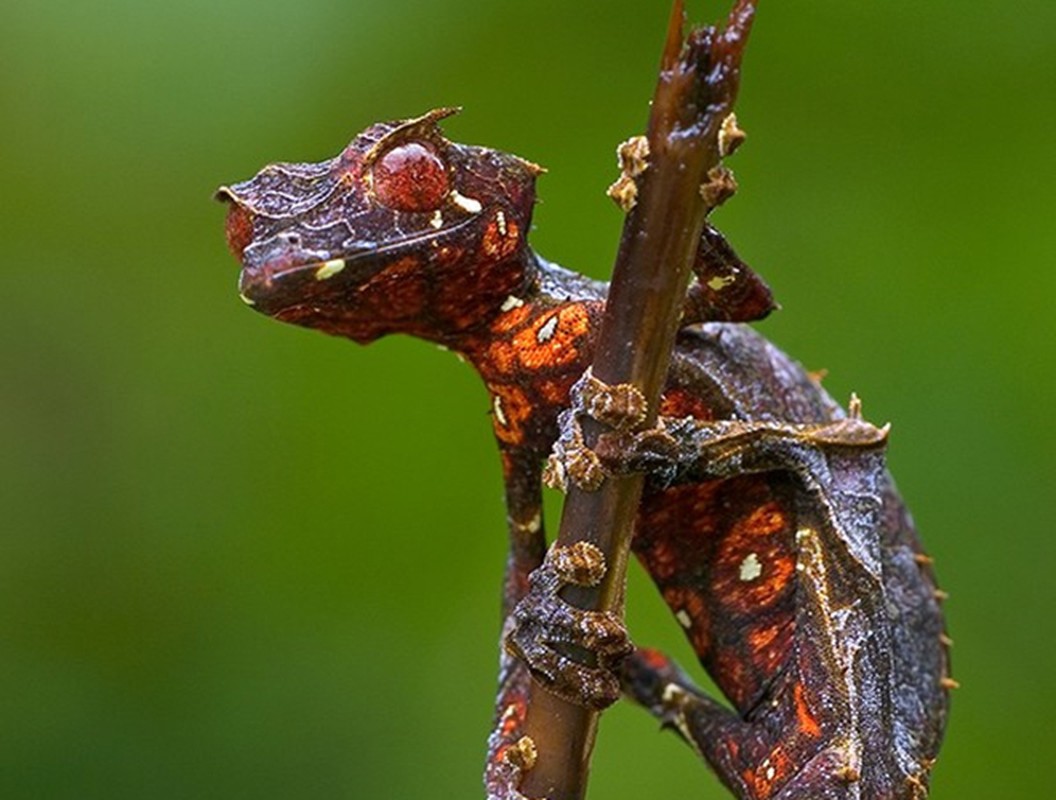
<point>700,637</point>
<point>749,778</point>
<point>661,559</point>
<point>512,230</point>
<point>516,409</point>
<point>528,359</point>
<point>771,773</point>
<point>778,574</point>
<point>753,539</point>
<point>653,658</point>
<point>807,723</point>
<point>770,645</point>
<point>679,403</point>
<point>502,359</point>
<point>523,354</point>
<point>685,514</point>
<point>513,318</point>
<point>734,748</point>
<point>694,606</point>
<point>561,347</point>
<point>762,638</point>
<point>675,526</point>
<point>555,392</point>
<point>763,521</point>
<point>498,244</point>
<point>513,718</point>
<point>722,553</point>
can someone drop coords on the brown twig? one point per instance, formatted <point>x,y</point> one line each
<point>683,181</point>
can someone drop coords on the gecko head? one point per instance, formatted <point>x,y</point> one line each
<point>402,231</point>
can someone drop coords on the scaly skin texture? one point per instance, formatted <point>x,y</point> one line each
<point>769,522</point>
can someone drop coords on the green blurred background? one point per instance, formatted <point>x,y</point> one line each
<point>240,559</point>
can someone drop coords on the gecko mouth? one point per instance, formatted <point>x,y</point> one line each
<point>283,272</point>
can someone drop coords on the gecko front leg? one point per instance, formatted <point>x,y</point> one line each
<point>725,288</point>
<point>510,752</point>
<point>572,652</point>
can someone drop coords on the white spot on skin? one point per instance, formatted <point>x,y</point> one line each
<point>751,568</point>
<point>720,282</point>
<point>437,220</point>
<point>546,330</point>
<point>531,526</point>
<point>770,773</point>
<point>511,303</point>
<point>500,415</point>
<point>329,269</point>
<point>673,698</point>
<point>683,618</point>
<point>510,711</point>
<point>467,204</point>
<point>500,220</point>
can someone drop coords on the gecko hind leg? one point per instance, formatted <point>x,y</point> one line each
<point>654,681</point>
<point>730,744</point>
<point>744,752</point>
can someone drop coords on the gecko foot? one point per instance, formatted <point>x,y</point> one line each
<point>620,408</point>
<point>573,653</point>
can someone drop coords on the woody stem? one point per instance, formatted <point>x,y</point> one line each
<point>697,86</point>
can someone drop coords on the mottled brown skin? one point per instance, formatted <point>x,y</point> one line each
<point>770,524</point>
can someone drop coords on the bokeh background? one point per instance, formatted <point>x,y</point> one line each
<point>240,559</point>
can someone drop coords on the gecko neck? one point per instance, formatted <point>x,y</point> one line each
<point>465,298</point>
<point>544,287</point>
<point>531,351</point>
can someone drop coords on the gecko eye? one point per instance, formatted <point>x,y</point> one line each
<point>410,177</point>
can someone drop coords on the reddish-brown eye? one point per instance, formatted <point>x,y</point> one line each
<point>239,229</point>
<point>410,177</point>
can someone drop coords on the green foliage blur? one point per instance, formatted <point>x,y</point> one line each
<point>241,559</point>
